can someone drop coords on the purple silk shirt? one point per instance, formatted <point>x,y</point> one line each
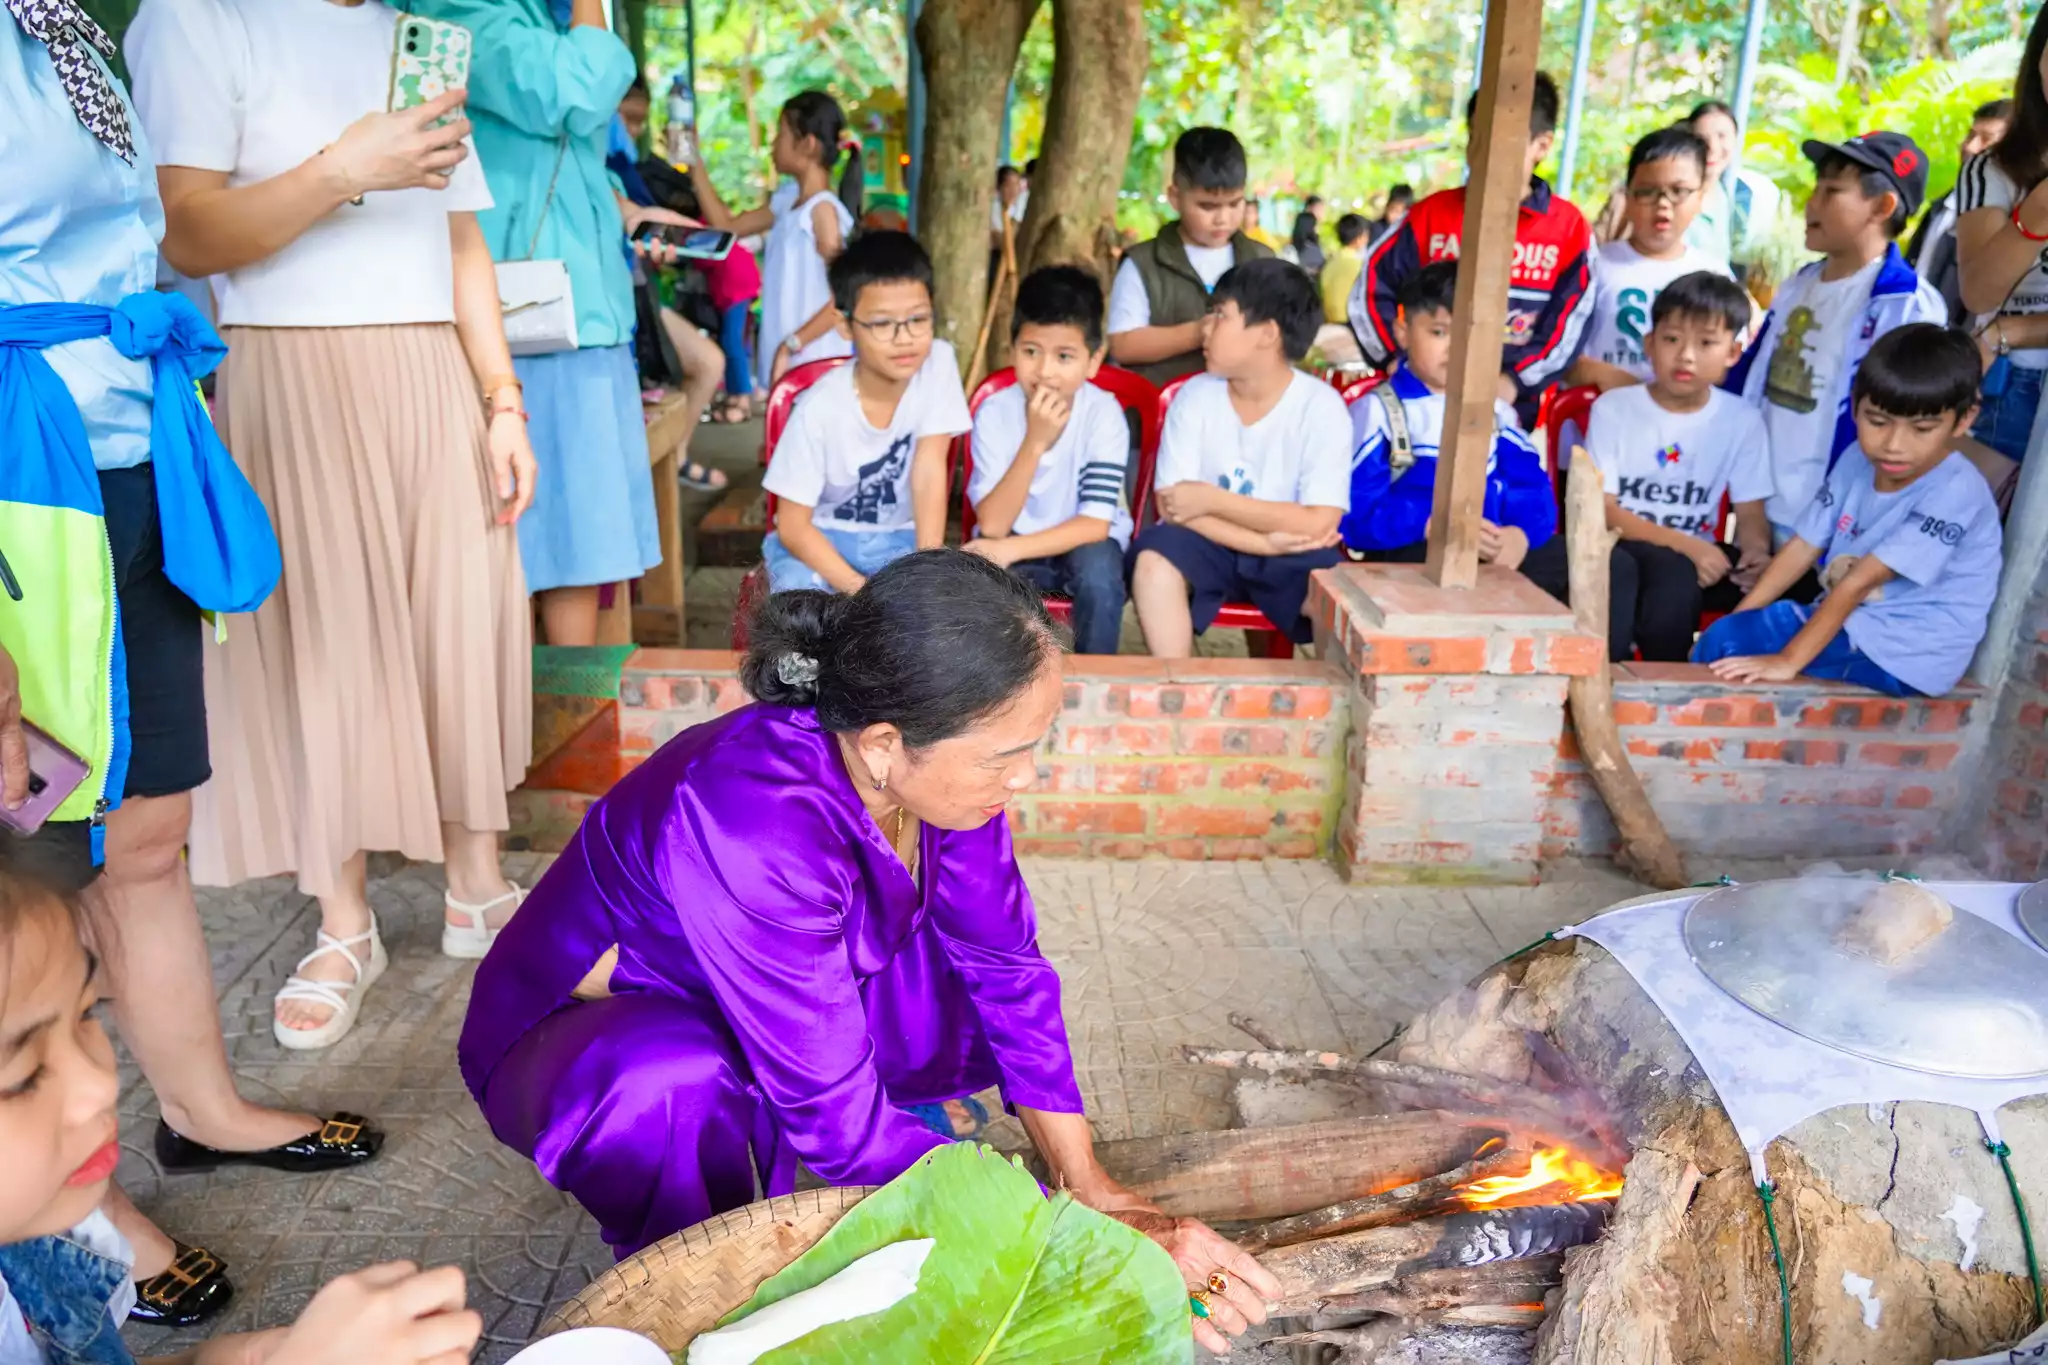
<point>742,879</point>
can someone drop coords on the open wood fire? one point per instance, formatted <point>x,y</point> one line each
<point>1455,1204</point>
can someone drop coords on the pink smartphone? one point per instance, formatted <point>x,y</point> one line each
<point>54,772</point>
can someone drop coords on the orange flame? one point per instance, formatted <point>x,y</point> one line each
<point>1550,1166</point>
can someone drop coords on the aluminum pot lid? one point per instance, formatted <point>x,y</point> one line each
<point>1968,1003</point>
<point>2032,909</point>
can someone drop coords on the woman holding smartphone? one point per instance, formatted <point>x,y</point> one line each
<point>381,698</point>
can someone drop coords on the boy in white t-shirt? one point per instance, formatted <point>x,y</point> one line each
<point>1254,468</point>
<point>1667,176</point>
<point>1905,532</point>
<point>860,471</point>
<point>1800,368</point>
<point>1050,453</point>
<point>1669,451</point>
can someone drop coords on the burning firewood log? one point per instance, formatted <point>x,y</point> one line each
<point>1314,1272</point>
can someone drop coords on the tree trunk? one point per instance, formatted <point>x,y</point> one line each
<point>1099,59</point>
<point>1845,42</point>
<point>1938,36</point>
<point>969,49</point>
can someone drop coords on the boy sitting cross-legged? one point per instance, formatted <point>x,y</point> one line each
<point>860,470</point>
<point>1904,529</point>
<point>1254,469</point>
<point>1668,450</point>
<point>1398,427</point>
<point>1049,458</point>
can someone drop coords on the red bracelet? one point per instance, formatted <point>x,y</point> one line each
<point>2022,228</point>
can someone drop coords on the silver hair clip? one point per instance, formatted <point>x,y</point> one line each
<point>796,670</point>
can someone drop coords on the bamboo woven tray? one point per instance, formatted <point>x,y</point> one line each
<point>682,1285</point>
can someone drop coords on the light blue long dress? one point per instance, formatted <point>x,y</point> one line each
<point>541,92</point>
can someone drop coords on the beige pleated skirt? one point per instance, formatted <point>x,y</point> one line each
<point>386,685</point>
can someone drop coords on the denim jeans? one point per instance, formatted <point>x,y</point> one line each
<point>1769,629</point>
<point>1092,575</point>
<point>732,339</point>
<point>866,551</point>
<point>65,1290</point>
<point>2006,419</point>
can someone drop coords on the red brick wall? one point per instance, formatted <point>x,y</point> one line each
<point>1201,758</point>
<point>1801,769</point>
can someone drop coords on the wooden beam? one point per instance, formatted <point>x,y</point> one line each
<point>1493,199</point>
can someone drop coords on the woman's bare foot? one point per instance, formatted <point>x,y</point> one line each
<point>346,916</point>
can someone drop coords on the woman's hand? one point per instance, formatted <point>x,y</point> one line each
<point>1203,1256</point>
<point>638,214</point>
<point>404,150</point>
<point>512,464</point>
<point>13,742</point>
<point>1206,1261</point>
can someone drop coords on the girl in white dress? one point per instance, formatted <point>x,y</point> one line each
<point>807,225</point>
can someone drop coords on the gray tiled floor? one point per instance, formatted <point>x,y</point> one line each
<point>1153,955</point>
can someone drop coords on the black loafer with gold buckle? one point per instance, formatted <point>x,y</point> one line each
<point>341,1141</point>
<point>194,1289</point>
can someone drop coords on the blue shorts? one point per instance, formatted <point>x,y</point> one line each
<point>866,551</point>
<point>1276,584</point>
<point>1768,630</point>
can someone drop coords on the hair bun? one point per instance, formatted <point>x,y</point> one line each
<point>791,637</point>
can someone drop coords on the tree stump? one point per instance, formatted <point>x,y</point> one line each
<point>1684,1274</point>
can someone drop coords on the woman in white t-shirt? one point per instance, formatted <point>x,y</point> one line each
<point>2002,260</point>
<point>807,225</point>
<point>381,698</point>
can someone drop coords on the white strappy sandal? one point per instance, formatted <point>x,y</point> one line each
<point>345,998</point>
<point>472,940</point>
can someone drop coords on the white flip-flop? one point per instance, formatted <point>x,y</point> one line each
<point>472,940</point>
<point>345,998</point>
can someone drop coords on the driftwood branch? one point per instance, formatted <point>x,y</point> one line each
<point>1417,1199</point>
<point>1645,846</point>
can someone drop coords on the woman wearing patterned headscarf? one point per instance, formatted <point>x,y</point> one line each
<point>120,519</point>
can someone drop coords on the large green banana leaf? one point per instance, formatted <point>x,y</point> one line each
<point>1014,1276</point>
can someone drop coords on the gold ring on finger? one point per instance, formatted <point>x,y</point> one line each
<point>1219,1283</point>
<point>1198,1304</point>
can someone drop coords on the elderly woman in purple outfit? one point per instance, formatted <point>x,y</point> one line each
<point>794,924</point>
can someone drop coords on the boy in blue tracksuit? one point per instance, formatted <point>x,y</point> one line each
<point>1800,370</point>
<point>1396,429</point>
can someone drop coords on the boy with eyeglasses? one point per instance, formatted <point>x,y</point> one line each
<point>1667,177</point>
<point>860,471</point>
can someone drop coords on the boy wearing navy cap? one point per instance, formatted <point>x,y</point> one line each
<point>1822,323</point>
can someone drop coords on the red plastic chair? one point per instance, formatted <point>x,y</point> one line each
<point>1563,414</point>
<point>1132,391</point>
<point>781,402</point>
<point>1262,637</point>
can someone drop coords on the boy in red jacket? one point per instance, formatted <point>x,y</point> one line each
<point>1550,295</point>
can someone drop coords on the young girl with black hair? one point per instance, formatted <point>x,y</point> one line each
<point>807,224</point>
<point>65,1284</point>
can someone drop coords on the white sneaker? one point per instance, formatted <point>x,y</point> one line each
<point>472,940</point>
<point>345,998</point>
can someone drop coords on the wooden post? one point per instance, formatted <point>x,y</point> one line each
<point>1499,142</point>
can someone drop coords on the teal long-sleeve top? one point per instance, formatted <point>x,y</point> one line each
<point>533,84</point>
